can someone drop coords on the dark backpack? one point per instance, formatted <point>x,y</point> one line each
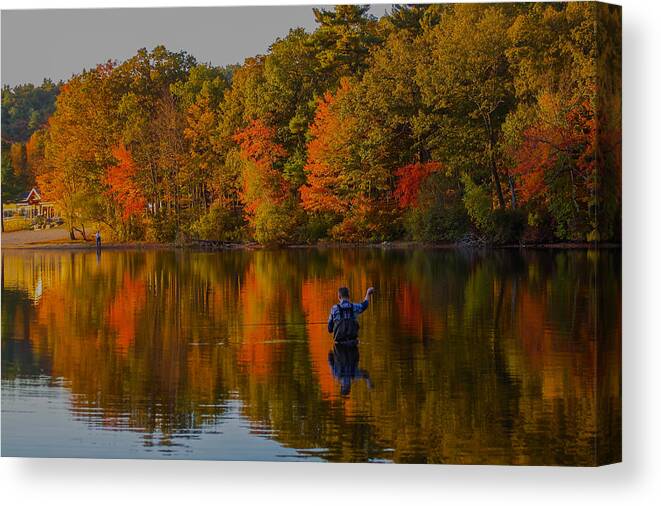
<point>346,328</point>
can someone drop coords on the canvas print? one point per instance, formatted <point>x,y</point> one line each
<point>340,233</point>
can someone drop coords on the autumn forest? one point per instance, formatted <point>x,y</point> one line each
<point>497,123</point>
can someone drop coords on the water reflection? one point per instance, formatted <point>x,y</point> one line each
<point>343,360</point>
<point>473,357</point>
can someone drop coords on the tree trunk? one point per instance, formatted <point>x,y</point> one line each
<point>510,180</point>
<point>496,179</point>
<point>80,230</point>
<point>492,162</point>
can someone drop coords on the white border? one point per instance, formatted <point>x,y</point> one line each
<point>636,481</point>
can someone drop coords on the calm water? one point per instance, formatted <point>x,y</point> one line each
<point>501,357</point>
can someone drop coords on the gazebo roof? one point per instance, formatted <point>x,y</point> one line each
<point>31,196</point>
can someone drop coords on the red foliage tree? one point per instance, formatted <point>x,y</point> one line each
<point>563,140</point>
<point>265,192</point>
<point>409,180</point>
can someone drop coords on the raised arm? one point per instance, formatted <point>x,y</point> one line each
<point>366,301</point>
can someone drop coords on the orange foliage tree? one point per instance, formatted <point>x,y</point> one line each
<point>344,186</point>
<point>77,147</point>
<point>328,152</point>
<point>122,185</point>
<point>35,152</point>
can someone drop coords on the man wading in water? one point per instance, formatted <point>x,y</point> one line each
<point>342,321</point>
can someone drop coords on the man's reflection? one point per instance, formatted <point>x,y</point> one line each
<point>343,360</point>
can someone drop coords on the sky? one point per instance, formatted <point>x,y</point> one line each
<point>58,43</point>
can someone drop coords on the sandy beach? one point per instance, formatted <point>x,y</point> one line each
<point>58,238</point>
<point>34,237</point>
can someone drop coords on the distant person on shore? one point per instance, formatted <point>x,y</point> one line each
<point>342,322</point>
<point>97,236</point>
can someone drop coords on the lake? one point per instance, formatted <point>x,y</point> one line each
<point>465,357</point>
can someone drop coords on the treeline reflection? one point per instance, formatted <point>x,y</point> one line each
<point>465,357</point>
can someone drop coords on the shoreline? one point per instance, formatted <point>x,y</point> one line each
<point>396,245</point>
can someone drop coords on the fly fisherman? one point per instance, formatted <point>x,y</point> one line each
<point>342,322</point>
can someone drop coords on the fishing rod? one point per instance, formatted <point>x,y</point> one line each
<point>285,324</point>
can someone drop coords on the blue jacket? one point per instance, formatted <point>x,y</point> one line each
<point>335,312</point>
